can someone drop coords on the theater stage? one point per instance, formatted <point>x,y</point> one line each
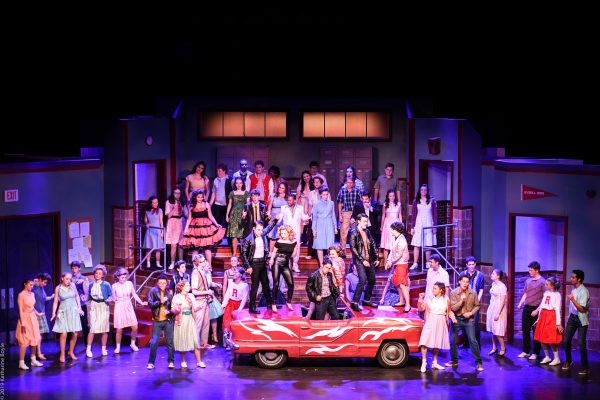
<point>125,376</point>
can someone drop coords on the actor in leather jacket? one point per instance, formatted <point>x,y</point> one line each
<point>322,291</point>
<point>365,259</point>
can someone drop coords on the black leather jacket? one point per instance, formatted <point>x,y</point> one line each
<point>249,245</point>
<point>154,302</point>
<point>357,247</point>
<point>314,284</point>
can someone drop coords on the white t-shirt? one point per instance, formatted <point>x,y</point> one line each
<point>440,276</point>
<point>236,292</point>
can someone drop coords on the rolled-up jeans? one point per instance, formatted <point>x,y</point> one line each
<point>468,324</point>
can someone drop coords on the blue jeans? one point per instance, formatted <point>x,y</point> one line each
<point>469,326</point>
<point>366,277</point>
<point>574,324</point>
<point>157,328</point>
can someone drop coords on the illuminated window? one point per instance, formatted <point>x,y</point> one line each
<point>242,124</point>
<point>346,125</point>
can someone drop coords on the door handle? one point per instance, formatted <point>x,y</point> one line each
<point>305,327</point>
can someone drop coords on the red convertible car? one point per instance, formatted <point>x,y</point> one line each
<point>385,333</point>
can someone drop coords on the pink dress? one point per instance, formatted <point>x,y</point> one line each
<point>174,224</point>
<point>31,336</point>
<point>392,214</point>
<point>497,328</point>
<point>435,331</point>
<point>124,315</point>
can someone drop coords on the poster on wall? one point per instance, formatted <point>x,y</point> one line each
<point>79,241</point>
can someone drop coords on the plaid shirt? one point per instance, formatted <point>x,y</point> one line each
<point>348,198</point>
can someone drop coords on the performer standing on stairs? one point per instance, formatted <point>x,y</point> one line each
<point>366,257</point>
<point>255,251</point>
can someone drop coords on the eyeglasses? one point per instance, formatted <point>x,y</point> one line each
<point>243,163</point>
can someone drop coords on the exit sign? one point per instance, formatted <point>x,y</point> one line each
<point>11,195</point>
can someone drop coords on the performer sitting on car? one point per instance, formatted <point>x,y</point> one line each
<point>322,291</point>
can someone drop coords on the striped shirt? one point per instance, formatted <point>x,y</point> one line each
<point>534,291</point>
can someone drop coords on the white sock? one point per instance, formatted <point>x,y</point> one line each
<point>556,355</point>
<point>547,353</point>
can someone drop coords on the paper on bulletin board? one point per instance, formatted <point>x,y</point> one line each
<point>74,230</point>
<point>87,257</point>
<point>78,243</point>
<point>73,255</point>
<point>84,229</point>
<point>87,242</point>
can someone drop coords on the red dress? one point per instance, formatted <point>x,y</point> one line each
<point>201,233</point>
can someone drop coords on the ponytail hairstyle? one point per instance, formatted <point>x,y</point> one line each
<point>442,287</point>
<point>501,276</point>
<point>555,282</point>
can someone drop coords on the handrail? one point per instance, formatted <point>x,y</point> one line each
<point>437,249</point>
<point>133,274</point>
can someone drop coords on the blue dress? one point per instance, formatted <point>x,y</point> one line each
<point>67,315</point>
<point>278,202</point>
<point>215,309</point>
<point>324,223</point>
<point>152,240</point>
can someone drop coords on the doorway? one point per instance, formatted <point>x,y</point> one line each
<point>29,245</point>
<point>439,176</point>
<point>149,179</point>
<point>541,238</point>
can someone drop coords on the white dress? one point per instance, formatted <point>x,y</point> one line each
<point>497,328</point>
<point>392,214</point>
<point>435,330</point>
<point>424,219</point>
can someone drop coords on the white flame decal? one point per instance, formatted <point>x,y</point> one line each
<point>330,333</point>
<point>254,331</point>
<point>377,334</point>
<point>271,326</point>
<point>402,321</point>
<point>324,349</point>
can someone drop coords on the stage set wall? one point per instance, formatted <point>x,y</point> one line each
<point>72,193</point>
<point>293,154</point>
<point>502,196</point>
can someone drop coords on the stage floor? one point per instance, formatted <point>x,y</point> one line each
<point>125,376</point>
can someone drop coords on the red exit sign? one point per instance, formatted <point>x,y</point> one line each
<point>11,195</point>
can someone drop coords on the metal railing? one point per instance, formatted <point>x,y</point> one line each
<point>437,249</point>
<point>133,274</point>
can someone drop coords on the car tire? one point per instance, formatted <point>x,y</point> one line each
<point>393,354</point>
<point>271,358</point>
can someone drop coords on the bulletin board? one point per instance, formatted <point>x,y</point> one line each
<point>79,241</point>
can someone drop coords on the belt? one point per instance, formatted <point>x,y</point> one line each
<point>258,259</point>
<point>177,216</point>
<point>186,312</point>
<point>98,300</point>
